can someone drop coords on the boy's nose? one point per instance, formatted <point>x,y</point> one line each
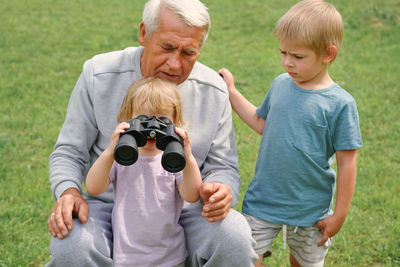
<point>287,62</point>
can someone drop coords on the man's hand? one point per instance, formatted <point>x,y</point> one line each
<point>60,220</point>
<point>217,199</point>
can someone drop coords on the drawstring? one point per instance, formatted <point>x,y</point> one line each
<point>284,234</point>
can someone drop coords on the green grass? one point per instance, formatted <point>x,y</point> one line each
<point>43,45</point>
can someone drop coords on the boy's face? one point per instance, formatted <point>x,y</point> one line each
<point>307,69</point>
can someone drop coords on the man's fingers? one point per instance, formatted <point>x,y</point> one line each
<point>216,215</point>
<point>206,190</point>
<point>56,225</point>
<point>60,221</point>
<point>51,222</point>
<point>67,216</point>
<point>217,218</point>
<point>215,212</point>
<point>82,211</point>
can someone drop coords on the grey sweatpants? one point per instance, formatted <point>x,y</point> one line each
<point>219,244</point>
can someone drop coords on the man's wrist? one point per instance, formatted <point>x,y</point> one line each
<point>64,186</point>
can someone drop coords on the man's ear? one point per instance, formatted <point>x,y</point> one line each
<point>330,54</point>
<point>142,34</point>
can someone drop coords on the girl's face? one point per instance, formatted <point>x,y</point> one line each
<point>150,148</point>
<point>307,69</point>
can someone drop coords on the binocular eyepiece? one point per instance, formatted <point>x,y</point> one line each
<point>163,130</point>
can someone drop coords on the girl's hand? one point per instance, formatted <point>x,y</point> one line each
<point>187,146</point>
<point>116,134</point>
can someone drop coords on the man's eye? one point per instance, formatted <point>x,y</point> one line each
<point>189,54</point>
<point>167,48</point>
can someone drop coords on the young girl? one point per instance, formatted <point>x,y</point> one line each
<point>147,199</point>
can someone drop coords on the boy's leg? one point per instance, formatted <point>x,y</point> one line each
<point>224,243</point>
<point>303,246</point>
<point>88,244</point>
<point>263,233</point>
<point>259,262</point>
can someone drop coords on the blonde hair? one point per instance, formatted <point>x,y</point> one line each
<point>314,23</point>
<point>154,95</point>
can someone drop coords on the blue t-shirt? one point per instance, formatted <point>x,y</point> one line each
<point>293,182</point>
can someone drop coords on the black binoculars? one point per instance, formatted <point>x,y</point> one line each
<point>163,130</point>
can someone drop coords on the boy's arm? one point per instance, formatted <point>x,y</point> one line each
<point>346,181</point>
<point>243,107</point>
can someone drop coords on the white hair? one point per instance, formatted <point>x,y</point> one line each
<point>192,12</point>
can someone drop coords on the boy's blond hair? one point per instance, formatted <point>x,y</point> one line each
<point>154,95</point>
<point>314,23</point>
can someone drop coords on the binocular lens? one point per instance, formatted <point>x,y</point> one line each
<point>173,159</point>
<point>126,152</point>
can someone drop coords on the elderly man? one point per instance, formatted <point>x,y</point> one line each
<point>171,36</point>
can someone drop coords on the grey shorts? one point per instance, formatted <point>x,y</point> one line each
<point>302,241</point>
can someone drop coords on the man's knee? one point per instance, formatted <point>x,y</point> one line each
<point>234,242</point>
<point>234,233</point>
<point>84,246</point>
<point>224,243</point>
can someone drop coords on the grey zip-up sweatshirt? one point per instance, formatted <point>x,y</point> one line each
<point>92,117</point>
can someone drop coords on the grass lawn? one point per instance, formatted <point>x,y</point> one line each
<point>44,43</point>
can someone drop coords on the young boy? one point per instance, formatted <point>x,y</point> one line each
<point>148,200</point>
<point>305,119</point>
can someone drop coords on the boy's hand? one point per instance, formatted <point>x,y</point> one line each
<point>328,227</point>
<point>228,78</point>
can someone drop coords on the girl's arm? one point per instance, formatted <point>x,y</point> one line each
<point>243,107</point>
<point>346,181</point>
<point>189,188</point>
<point>98,179</point>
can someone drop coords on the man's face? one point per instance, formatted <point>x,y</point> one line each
<point>171,51</point>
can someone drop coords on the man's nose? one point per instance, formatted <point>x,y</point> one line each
<point>174,60</point>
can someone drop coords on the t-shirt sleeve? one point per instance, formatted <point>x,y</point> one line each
<point>178,178</point>
<point>262,110</point>
<point>346,134</point>
<point>113,172</point>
